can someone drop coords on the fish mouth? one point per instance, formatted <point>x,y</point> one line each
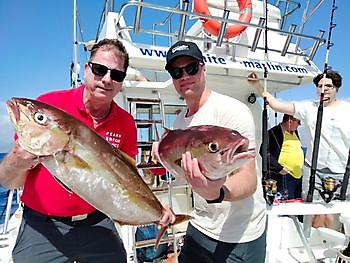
<point>12,109</point>
<point>231,157</point>
<point>241,151</point>
<point>249,154</point>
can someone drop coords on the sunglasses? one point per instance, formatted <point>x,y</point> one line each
<point>294,119</point>
<point>101,70</point>
<point>326,86</point>
<point>191,69</point>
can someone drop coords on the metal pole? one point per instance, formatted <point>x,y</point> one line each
<point>8,211</point>
<point>75,66</point>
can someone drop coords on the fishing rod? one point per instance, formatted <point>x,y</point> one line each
<point>264,113</point>
<point>345,182</point>
<point>270,187</point>
<point>316,145</point>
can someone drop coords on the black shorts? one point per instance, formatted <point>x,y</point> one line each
<point>43,238</point>
<point>200,248</point>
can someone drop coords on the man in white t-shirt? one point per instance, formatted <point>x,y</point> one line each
<point>229,214</point>
<point>335,131</point>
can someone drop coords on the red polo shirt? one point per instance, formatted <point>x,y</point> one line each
<point>41,190</point>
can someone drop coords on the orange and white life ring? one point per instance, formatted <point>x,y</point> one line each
<point>213,26</point>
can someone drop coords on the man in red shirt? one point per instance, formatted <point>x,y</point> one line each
<point>49,230</point>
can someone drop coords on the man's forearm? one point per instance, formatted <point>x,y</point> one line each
<point>11,174</point>
<point>242,183</point>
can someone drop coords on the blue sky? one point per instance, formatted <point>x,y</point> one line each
<point>36,48</point>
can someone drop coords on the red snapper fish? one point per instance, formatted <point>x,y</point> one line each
<point>219,150</point>
<point>85,163</point>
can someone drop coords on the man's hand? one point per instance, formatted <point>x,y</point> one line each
<point>168,216</point>
<point>22,161</point>
<point>203,186</point>
<point>284,171</point>
<point>154,152</point>
<point>25,160</point>
<point>255,82</point>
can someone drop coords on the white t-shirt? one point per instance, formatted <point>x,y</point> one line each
<point>237,221</point>
<point>335,133</point>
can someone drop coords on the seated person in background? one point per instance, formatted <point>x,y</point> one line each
<point>285,157</point>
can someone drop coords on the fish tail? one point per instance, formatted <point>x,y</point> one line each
<point>178,219</point>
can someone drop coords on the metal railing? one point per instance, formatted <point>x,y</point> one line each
<point>176,33</point>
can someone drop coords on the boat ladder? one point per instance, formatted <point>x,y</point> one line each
<point>148,114</point>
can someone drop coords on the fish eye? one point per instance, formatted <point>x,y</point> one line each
<point>213,147</point>
<point>40,118</point>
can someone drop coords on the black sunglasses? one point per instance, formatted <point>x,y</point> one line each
<point>328,86</point>
<point>101,70</point>
<point>295,119</point>
<point>191,69</point>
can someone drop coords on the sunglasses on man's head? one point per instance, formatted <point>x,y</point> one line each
<point>191,69</point>
<point>101,70</point>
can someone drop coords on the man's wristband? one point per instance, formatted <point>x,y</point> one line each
<point>219,199</point>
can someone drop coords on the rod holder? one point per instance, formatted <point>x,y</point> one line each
<point>257,34</point>
<point>291,30</point>
<point>316,44</point>
<point>137,21</point>
<point>222,31</point>
<point>183,19</point>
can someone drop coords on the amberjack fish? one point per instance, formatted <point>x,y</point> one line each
<point>219,150</point>
<point>85,163</point>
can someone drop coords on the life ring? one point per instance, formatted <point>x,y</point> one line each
<point>213,26</point>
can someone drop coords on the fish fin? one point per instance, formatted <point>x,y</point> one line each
<point>165,130</point>
<point>70,160</point>
<point>73,160</point>
<point>178,162</point>
<point>181,218</point>
<point>122,223</point>
<point>157,134</point>
<point>63,185</point>
<point>160,234</point>
<point>118,222</point>
<point>129,159</point>
<point>178,219</point>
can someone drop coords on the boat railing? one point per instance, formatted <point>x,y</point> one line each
<point>13,193</point>
<point>310,43</point>
<point>8,211</point>
<point>289,7</point>
<point>166,22</point>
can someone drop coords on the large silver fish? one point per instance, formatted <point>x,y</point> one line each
<point>219,150</point>
<point>86,163</point>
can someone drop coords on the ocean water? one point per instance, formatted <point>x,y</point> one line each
<point>3,198</point>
